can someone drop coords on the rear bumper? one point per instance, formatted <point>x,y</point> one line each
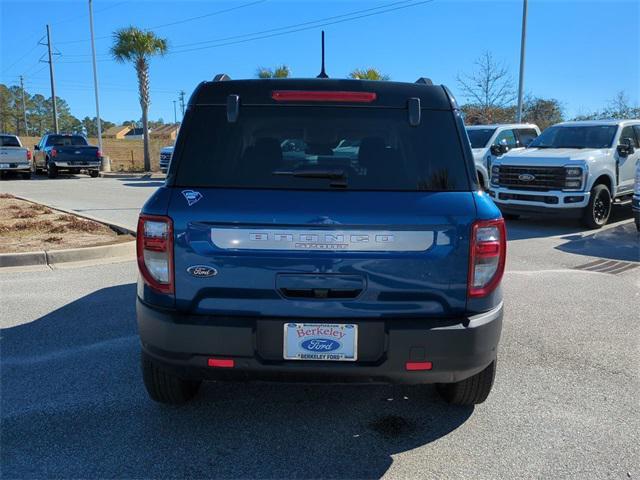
<point>78,166</point>
<point>457,348</point>
<point>15,167</point>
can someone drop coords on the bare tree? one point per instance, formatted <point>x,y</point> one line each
<point>490,87</point>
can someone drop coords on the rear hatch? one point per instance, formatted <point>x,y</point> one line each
<point>320,212</point>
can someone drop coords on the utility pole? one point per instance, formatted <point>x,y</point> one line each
<point>24,108</point>
<point>522,50</point>
<point>175,117</point>
<point>182,101</point>
<point>106,163</point>
<point>53,82</point>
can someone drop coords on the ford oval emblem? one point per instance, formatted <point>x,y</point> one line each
<point>202,271</point>
<point>320,345</point>
<point>526,177</point>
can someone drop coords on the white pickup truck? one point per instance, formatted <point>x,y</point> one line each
<point>488,141</point>
<point>13,156</point>
<point>578,169</point>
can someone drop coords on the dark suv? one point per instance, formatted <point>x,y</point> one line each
<point>320,230</point>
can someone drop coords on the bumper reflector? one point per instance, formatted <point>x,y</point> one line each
<point>221,362</point>
<point>418,366</point>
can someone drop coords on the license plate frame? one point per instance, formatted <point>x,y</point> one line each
<point>320,341</point>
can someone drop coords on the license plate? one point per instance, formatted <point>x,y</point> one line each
<point>321,341</point>
<point>4,165</point>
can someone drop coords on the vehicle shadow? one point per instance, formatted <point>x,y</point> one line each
<point>544,226</point>
<point>619,243</point>
<point>73,405</point>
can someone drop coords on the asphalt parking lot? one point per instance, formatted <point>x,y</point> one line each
<point>565,403</point>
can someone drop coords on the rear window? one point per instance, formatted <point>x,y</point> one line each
<point>64,140</point>
<point>8,141</point>
<point>285,147</point>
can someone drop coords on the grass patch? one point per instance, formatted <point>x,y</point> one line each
<point>25,214</point>
<point>53,239</point>
<point>6,195</point>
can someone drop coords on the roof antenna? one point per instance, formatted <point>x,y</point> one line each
<point>323,74</point>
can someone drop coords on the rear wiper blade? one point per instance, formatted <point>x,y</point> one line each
<point>337,176</point>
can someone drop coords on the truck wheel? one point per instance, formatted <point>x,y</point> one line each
<point>94,173</point>
<point>163,387</point>
<point>52,170</point>
<point>471,391</point>
<point>597,212</point>
<point>26,175</point>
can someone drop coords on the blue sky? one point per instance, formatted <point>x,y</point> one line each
<point>579,52</point>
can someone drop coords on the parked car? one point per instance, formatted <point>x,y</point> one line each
<point>636,197</point>
<point>578,169</point>
<point>165,158</point>
<point>489,141</point>
<point>259,263</point>
<point>13,156</point>
<point>66,153</point>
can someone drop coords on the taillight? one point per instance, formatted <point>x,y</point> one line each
<point>28,154</point>
<point>98,154</point>
<point>488,253</point>
<point>155,252</point>
<point>54,152</point>
<point>322,96</point>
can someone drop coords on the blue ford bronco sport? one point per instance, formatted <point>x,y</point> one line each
<point>320,230</point>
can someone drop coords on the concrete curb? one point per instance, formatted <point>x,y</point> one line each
<point>140,175</point>
<point>53,257</point>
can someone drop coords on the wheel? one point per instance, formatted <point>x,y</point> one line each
<point>510,216</point>
<point>26,175</point>
<point>471,391</point>
<point>52,170</point>
<point>596,213</point>
<point>94,173</point>
<point>163,387</point>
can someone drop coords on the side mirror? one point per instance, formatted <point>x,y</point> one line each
<point>498,150</point>
<point>626,148</point>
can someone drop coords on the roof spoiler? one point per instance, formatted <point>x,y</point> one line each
<point>221,77</point>
<point>424,81</point>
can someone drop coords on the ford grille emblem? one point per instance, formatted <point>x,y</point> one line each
<point>202,271</point>
<point>526,177</point>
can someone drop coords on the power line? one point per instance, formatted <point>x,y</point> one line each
<point>289,29</point>
<point>301,29</point>
<point>23,56</point>
<point>177,22</point>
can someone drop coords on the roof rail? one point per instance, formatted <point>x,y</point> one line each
<point>221,77</point>
<point>424,81</point>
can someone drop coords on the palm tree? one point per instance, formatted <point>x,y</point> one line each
<point>368,74</point>
<point>280,72</point>
<point>138,46</point>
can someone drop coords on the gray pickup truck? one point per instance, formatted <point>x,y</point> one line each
<point>14,157</point>
<point>66,153</point>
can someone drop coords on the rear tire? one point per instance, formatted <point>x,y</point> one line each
<point>471,391</point>
<point>596,213</point>
<point>26,175</point>
<point>163,387</point>
<point>94,173</point>
<point>52,170</point>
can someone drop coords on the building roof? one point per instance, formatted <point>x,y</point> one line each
<point>117,130</point>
